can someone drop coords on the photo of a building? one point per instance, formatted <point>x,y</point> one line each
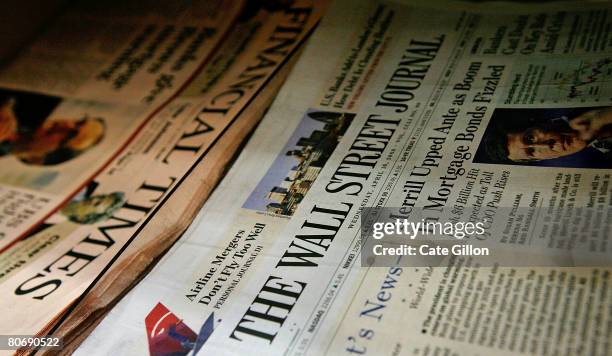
<point>292,174</point>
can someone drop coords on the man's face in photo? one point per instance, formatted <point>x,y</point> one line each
<point>538,143</point>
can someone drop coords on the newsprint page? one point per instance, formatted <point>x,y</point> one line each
<point>431,180</point>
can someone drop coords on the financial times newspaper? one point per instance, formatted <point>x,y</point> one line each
<point>500,114</point>
<point>42,274</point>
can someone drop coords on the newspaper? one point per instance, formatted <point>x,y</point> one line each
<point>391,107</point>
<point>131,200</point>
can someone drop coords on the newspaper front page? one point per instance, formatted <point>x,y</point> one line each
<point>500,114</point>
<point>42,275</point>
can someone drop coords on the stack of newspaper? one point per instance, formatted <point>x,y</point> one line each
<point>433,178</point>
<point>116,123</point>
<point>496,115</point>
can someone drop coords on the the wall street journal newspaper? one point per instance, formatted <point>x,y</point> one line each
<point>494,115</point>
<point>161,144</point>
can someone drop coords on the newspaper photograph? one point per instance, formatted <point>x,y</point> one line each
<point>491,126</point>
